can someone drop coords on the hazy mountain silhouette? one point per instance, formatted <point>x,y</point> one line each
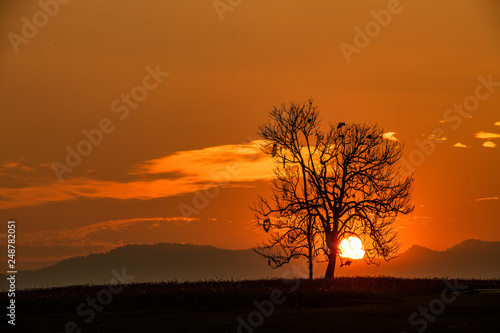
<point>150,263</point>
<point>469,259</point>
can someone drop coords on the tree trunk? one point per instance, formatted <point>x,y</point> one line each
<point>310,267</point>
<point>330,269</point>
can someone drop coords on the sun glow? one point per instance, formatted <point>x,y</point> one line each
<point>352,248</point>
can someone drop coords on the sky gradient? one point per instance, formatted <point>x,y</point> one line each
<point>172,94</point>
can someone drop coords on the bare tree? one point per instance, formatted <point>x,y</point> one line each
<point>293,231</point>
<point>329,185</point>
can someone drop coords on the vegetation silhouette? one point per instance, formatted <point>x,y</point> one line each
<point>328,185</point>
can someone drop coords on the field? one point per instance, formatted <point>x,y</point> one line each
<point>355,304</point>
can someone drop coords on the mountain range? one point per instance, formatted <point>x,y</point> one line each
<point>186,262</point>
<point>469,259</point>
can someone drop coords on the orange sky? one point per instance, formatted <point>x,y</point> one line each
<point>195,126</point>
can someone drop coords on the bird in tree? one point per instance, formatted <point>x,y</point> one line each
<point>330,183</point>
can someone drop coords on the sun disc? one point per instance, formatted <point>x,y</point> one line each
<point>352,248</point>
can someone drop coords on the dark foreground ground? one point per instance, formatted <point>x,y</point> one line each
<point>342,305</point>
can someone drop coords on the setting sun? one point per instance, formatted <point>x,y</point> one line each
<point>352,248</point>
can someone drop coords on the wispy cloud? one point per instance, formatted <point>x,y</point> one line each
<point>14,165</point>
<point>497,123</point>
<point>489,144</point>
<point>194,170</point>
<point>390,136</point>
<point>487,136</point>
<point>244,162</point>
<point>488,198</point>
<point>79,235</point>
<point>434,137</point>
<point>460,145</point>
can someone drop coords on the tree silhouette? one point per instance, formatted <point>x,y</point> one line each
<point>329,185</point>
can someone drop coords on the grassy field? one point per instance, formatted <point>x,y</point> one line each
<point>343,305</point>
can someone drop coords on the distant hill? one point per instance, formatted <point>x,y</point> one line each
<point>150,263</point>
<point>469,259</point>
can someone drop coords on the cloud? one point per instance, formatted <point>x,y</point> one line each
<point>489,144</point>
<point>84,187</point>
<point>390,136</point>
<point>487,136</point>
<point>244,162</point>
<point>13,165</point>
<point>497,123</point>
<point>434,137</point>
<point>489,198</point>
<point>194,170</point>
<point>81,235</point>
<point>460,145</point>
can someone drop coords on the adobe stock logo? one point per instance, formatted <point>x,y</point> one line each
<point>223,6</point>
<point>436,307</point>
<point>454,116</point>
<point>30,28</point>
<point>220,177</point>
<point>122,107</point>
<point>372,29</point>
<point>93,305</point>
<point>266,308</point>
